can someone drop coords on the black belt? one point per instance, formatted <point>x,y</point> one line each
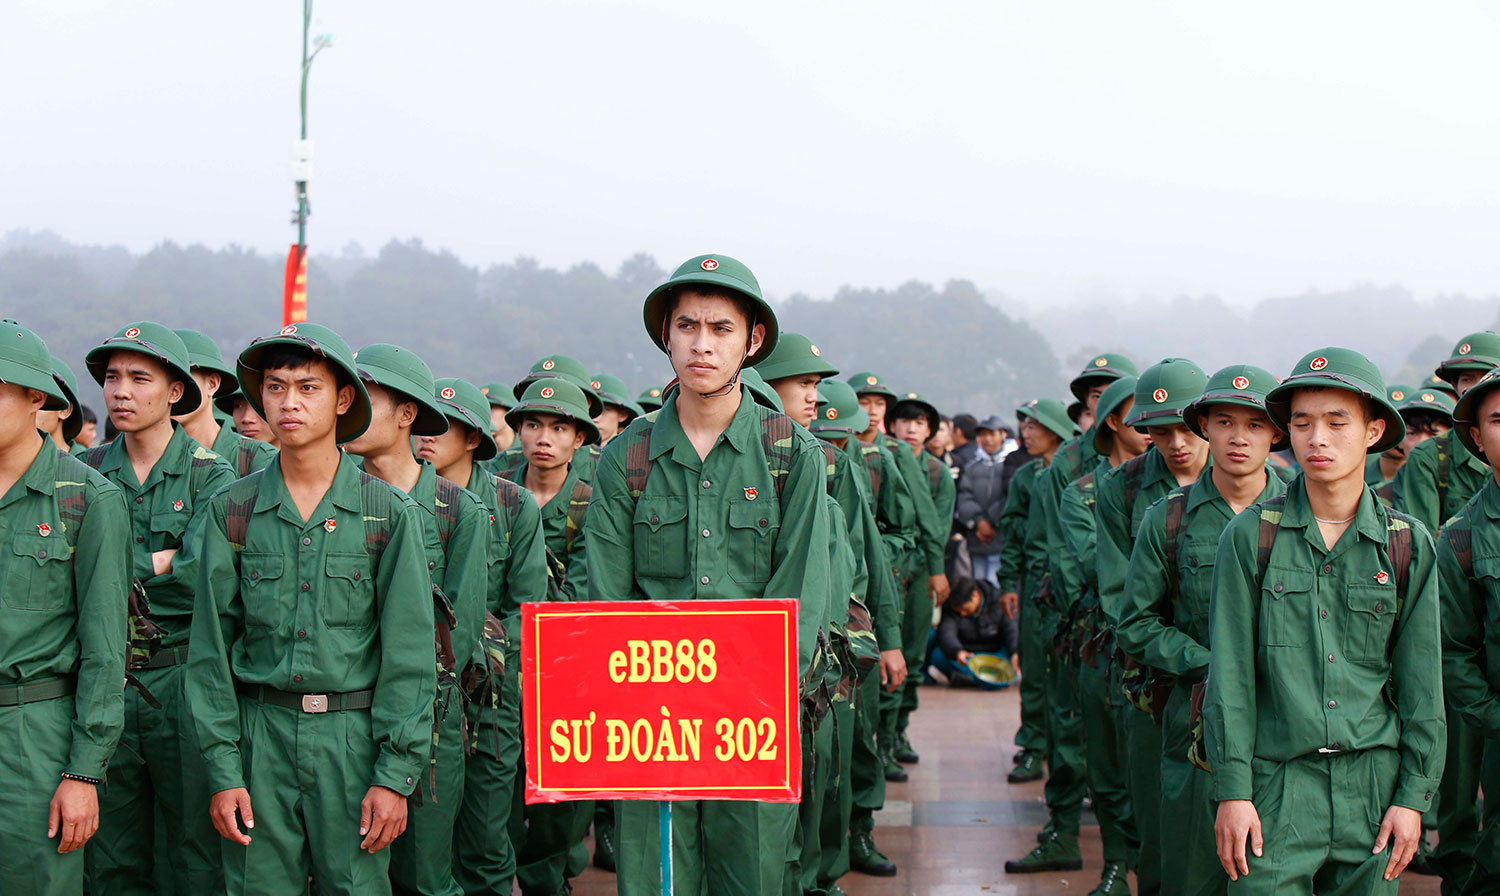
<point>166,658</point>
<point>36,692</point>
<point>308,702</point>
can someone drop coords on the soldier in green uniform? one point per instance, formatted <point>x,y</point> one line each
<point>711,462</point>
<point>1427,414</point>
<point>455,530</point>
<point>1324,710</point>
<point>484,857</point>
<point>1090,641</point>
<point>1438,479</point>
<point>1177,457</point>
<point>1165,622</point>
<point>619,409</point>
<point>1469,586</point>
<point>62,636</point>
<point>500,400</point>
<point>553,367</point>
<point>213,376</point>
<point>311,674</point>
<point>157,790</point>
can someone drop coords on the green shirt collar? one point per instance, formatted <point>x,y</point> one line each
<point>667,434</point>
<point>1298,512</point>
<point>41,476</point>
<point>175,457</point>
<point>344,493</point>
<point>1489,498</point>
<point>1205,489</point>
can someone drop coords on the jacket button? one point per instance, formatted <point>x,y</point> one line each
<point>764,522</point>
<point>1279,588</point>
<point>704,580</point>
<point>707,484</point>
<point>1333,704</point>
<point>306,541</point>
<point>140,499</point>
<point>357,573</point>
<point>306,587</point>
<point>41,555</point>
<point>431,564</point>
<point>1330,657</point>
<point>705,533</point>
<point>1325,614</point>
<point>254,574</point>
<point>1192,561</point>
<point>297,679</point>
<point>140,539</point>
<point>1327,568</point>
<point>409,782</point>
<point>1380,608</point>
<point>302,633</point>
<point>655,520</point>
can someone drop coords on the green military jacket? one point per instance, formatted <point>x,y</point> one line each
<point>64,611</point>
<point>507,462</point>
<point>1116,524</point>
<point>1471,609</point>
<point>1320,653</point>
<point>563,530</point>
<point>1076,572</point>
<point>160,510</point>
<point>244,455</point>
<point>461,567</point>
<point>517,561</point>
<point>895,511</point>
<point>1420,490</point>
<point>306,608</point>
<point>931,490</point>
<point>1167,634</point>
<point>1018,501</point>
<point>1073,459</point>
<point>873,583</point>
<point>712,528</point>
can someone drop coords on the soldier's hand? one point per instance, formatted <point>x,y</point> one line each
<point>1403,826</point>
<point>222,809</point>
<point>1010,602</point>
<point>1237,821</point>
<point>73,813</point>
<point>984,531</point>
<point>382,818</point>
<point>892,669</point>
<point>937,588</point>
<point>161,562</point>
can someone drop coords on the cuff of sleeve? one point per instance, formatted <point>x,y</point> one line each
<point>394,774</point>
<point>226,771</point>
<point>1415,793</point>
<point>1232,782</point>
<point>888,638</point>
<point>935,567</point>
<point>1008,586</point>
<point>88,759</point>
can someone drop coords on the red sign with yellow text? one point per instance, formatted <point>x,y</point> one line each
<point>646,700</point>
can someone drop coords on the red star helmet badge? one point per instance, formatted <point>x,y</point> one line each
<point>448,393</point>
<point>872,380</point>
<point>1398,395</point>
<point>176,505</point>
<point>816,353</point>
<point>596,384</point>
<point>911,395</point>
<point>1160,395</point>
<point>1241,383</point>
<point>132,332</point>
<point>548,364</point>
<point>1101,362</point>
<point>43,529</point>
<point>833,413</point>
<point>1318,363</point>
<point>1382,577</point>
<point>289,330</point>
<point>1465,349</point>
<point>485,390</point>
<point>546,391</point>
<point>1427,396</point>
<point>330,524</point>
<point>656,393</point>
<point>750,494</point>
<point>710,264</point>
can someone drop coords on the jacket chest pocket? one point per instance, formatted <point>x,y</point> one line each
<point>1287,606</point>
<point>661,537</point>
<point>1372,616</point>
<point>1487,573</point>
<point>38,576</point>
<point>167,527</point>
<point>752,532</point>
<point>262,590</point>
<point>348,599</point>
<point>1195,576</point>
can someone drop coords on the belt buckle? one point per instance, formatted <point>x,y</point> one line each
<point>314,702</point>
<point>1327,752</point>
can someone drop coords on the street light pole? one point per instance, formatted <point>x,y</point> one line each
<point>294,303</point>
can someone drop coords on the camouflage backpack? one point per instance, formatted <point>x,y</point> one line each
<point>244,457</point>
<point>1148,688</point>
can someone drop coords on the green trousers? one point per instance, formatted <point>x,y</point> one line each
<point>1456,809</point>
<point>916,627</point>
<point>1188,809</point>
<point>838,798</point>
<point>484,861</point>
<point>1484,877</point>
<point>1143,774</point>
<point>866,773</point>
<point>543,835</point>
<point>1103,709</point>
<point>806,853</point>
<point>307,774</point>
<point>422,857</point>
<point>1032,735</point>
<point>154,802</point>
<point>1067,775</point>
<point>1319,816</point>
<point>34,742</point>
<point>719,848</point>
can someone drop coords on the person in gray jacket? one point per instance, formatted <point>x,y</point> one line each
<point>981,498</point>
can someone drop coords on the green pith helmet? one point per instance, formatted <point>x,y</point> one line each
<point>323,343</point>
<point>611,391</point>
<point>913,401</point>
<point>1338,368</point>
<point>401,371</point>
<point>559,397</point>
<point>1466,412</point>
<point>462,402</point>
<point>205,354</point>
<point>1164,391</point>
<point>761,391</point>
<point>795,355</point>
<point>224,401</point>
<point>1075,411</point>
<point>1475,352</point>
<point>26,362</point>
<point>867,382</point>
<point>562,367</point>
<point>154,341</point>
<point>1423,400</point>
<point>1105,368</point>
<point>1241,385</point>
<point>650,400</point>
<point>1441,385</point>
<point>72,426</point>
<point>839,413</point>
<point>1050,413</point>
<point>498,395</point>
<point>718,271</point>
<point>1119,392</point>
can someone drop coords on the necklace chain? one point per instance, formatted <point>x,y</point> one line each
<point>1334,522</point>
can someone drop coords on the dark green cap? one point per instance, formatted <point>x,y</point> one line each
<point>1119,391</point>
<point>870,383</point>
<point>1050,413</point>
<point>650,400</point>
<point>1466,412</point>
<point>712,270</point>
<point>1475,352</point>
<point>325,344</point>
<point>72,426</point>
<point>1105,368</point>
<point>839,413</point>
<point>761,391</point>
<point>1441,385</point>
<point>1241,385</point>
<point>401,371</point>
<point>1338,368</point>
<point>462,401</point>
<point>26,362</point>
<point>912,404</point>
<point>562,367</point>
<point>1075,411</point>
<point>795,355</point>
<point>156,341</point>
<point>224,401</point>
<point>498,395</point>
<point>611,390</point>
<point>204,353</point>
<point>560,397</point>
<point>1164,391</point>
<point>1421,400</point>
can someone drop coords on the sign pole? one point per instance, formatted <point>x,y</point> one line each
<point>664,837</point>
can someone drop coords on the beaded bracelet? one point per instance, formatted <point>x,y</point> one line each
<point>69,776</point>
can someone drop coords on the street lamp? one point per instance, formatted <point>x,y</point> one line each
<point>294,299</point>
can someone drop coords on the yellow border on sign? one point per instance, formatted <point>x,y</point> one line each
<point>786,653</point>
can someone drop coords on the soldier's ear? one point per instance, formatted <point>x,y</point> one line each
<point>1374,431</point>
<point>174,391</point>
<point>346,400</point>
<point>471,441</point>
<point>757,339</point>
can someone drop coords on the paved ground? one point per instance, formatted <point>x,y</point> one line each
<point>953,825</point>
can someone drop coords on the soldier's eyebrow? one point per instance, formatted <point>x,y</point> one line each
<point>294,380</point>
<point>1336,412</point>
<point>716,322</point>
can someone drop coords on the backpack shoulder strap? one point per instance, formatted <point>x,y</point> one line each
<point>95,456</point>
<point>870,454</point>
<point>1444,464</point>
<point>776,438</point>
<point>508,498</point>
<point>238,509</point>
<point>448,497</point>
<point>1177,502</point>
<point>244,459</point>
<point>70,491</point>
<point>1134,471</point>
<point>638,457</point>
<point>376,499</point>
<point>1270,521</point>
<point>1398,535</point>
<point>830,460</point>
<point>200,464</point>
<point>578,507</point>
<point>1461,539</point>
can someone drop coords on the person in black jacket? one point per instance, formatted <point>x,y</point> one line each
<point>973,622</point>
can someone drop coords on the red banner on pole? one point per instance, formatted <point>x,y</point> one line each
<point>294,290</point>
<point>646,700</point>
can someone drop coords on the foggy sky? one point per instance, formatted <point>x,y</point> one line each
<point>1050,150</point>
